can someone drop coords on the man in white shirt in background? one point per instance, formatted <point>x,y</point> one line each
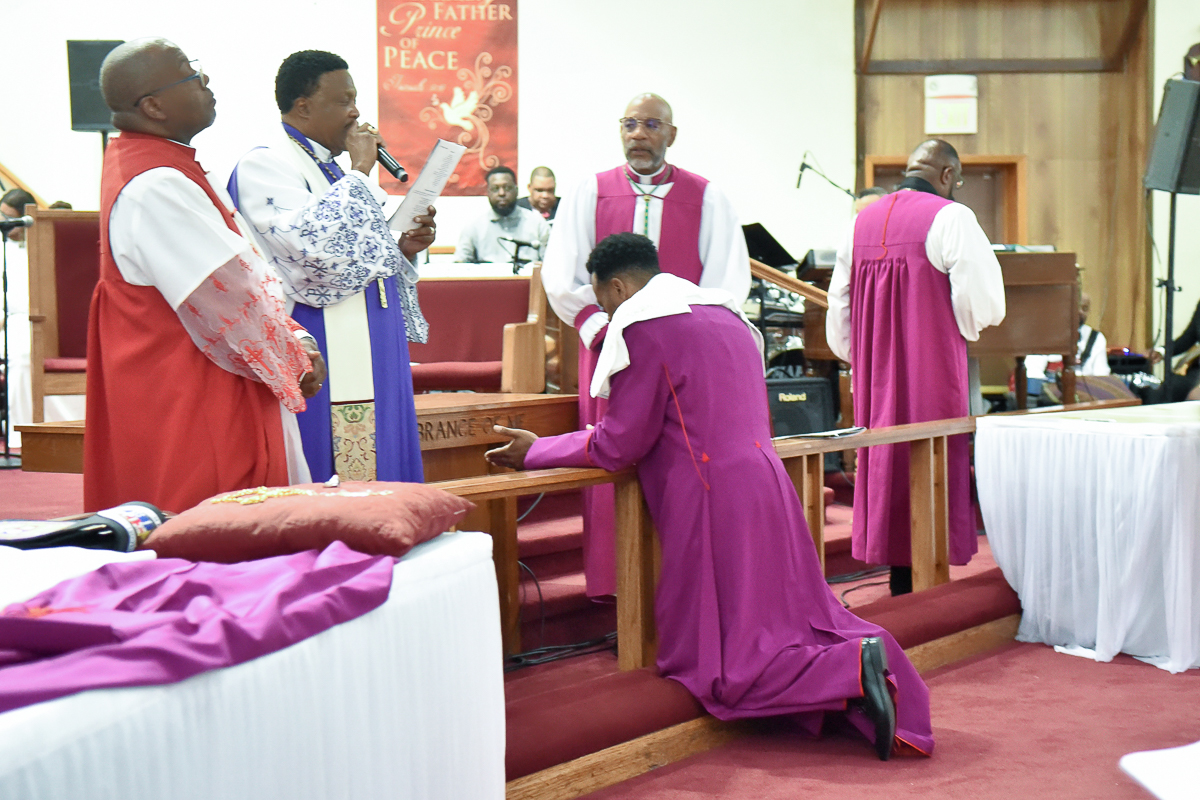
<point>507,230</point>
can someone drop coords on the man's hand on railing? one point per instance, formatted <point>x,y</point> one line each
<point>512,454</point>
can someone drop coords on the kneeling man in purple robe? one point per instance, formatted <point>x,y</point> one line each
<point>745,619</point>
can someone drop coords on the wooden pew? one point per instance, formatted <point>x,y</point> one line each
<point>64,267</point>
<point>486,334</point>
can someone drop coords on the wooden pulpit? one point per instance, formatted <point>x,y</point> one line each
<point>1041,295</point>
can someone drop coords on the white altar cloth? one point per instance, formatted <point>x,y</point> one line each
<point>405,702</point>
<point>1094,518</point>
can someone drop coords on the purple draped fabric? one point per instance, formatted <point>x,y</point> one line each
<point>147,623</point>
<point>910,365</point>
<point>745,619</point>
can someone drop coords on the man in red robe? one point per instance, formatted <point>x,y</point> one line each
<point>915,282</point>
<point>194,370</point>
<point>698,238</point>
<point>745,619</point>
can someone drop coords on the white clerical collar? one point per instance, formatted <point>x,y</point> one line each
<point>648,178</point>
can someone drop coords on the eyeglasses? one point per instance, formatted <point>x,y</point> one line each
<point>630,124</point>
<point>958,179</point>
<point>197,75</point>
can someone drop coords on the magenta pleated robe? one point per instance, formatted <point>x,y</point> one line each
<point>745,619</point>
<point>910,365</point>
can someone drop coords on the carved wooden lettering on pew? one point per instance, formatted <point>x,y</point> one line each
<point>464,429</point>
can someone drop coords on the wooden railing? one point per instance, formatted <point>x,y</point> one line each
<point>638,556</point>
<point>785,281</point>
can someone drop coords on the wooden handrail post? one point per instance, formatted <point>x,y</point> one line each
<point>502,521</point>
<point>929,512</point>
<point>638,560</point>
<point>808,476</point>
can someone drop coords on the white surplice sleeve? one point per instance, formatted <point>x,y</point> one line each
<point>564,269</point>
<point>957,246</point>
<point>837,317</point>
<point>165,232</point>
<point>325,245</point>
<point>723,246</point>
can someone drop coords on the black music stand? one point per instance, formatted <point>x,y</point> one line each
<point>765,248</point>
<point>1174,167</point>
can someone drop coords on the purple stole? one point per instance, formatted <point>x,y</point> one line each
<point>395,438</point>
<point>910,365</point>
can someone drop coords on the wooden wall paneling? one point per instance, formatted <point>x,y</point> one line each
<point>1085,136</point>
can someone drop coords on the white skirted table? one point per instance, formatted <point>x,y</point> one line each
<point>1094,517</point>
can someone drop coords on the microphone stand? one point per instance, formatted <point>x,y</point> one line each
<point>805,165</point>
<point>8,460</point>
<point>517,261</point>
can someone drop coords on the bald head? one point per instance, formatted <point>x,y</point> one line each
<point>936,161</point>
<point>652,133</point>
<point>650,104</point>
<point>151,87</point>
<point>133,69</point>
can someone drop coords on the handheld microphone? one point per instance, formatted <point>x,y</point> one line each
<point>800,177</point>
<point>391,165</point>
<point>16,222</point>
<point>517,241</point>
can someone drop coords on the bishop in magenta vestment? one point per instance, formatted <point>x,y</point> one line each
<point>921,281</point>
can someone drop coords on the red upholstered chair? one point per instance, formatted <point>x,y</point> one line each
<point>485,334</point>
<point>64,266</point>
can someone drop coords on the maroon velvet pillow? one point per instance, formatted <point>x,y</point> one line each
<point>377,518</point>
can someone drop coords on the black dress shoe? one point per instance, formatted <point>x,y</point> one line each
<point>876,700</point>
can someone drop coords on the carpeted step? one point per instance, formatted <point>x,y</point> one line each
<point>563,614</point>
<point>551,722</point>
<point>952,607</point>
<point>562,711</point>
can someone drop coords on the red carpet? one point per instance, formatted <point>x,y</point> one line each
<point>1022,722</point>
<point>39,495</point>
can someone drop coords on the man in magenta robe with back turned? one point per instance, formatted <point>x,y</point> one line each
<point>698,238</point>
<point>914,283</point>
<point>745,620</point>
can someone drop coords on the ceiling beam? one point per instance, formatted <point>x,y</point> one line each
<point>869,43</point>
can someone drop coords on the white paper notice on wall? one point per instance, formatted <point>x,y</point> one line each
<point>951,104</point>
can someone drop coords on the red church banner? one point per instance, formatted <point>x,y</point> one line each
<point>448,70</point>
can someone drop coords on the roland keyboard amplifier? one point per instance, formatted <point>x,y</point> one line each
<point>802,405</point>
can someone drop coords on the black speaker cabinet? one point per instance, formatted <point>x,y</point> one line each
<point>88,111</point>
<point>802,405</point>
<point>1175,157</point>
